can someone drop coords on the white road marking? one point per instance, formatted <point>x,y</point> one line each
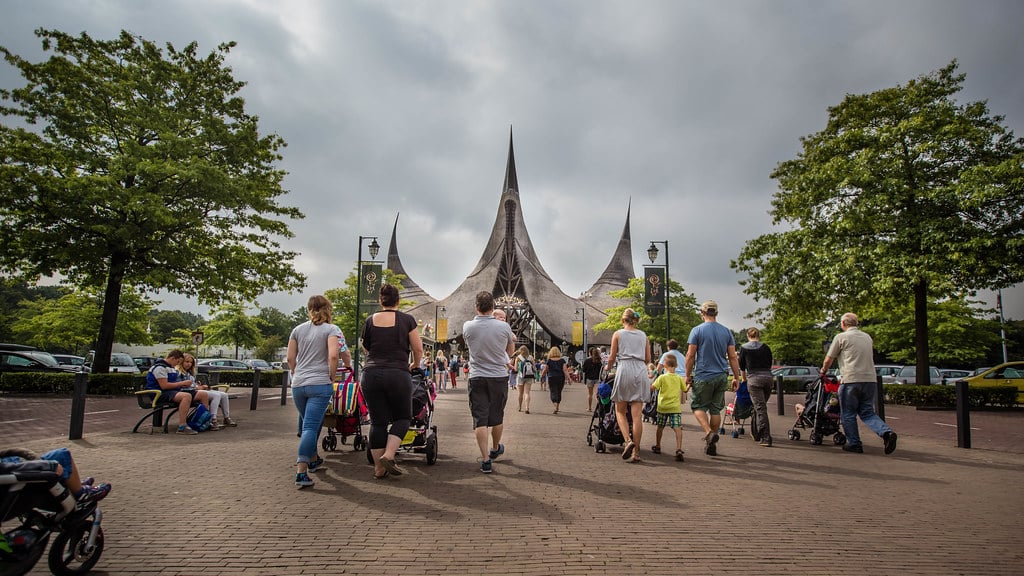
<point>101,412</point>
<point>952,425</point>
<point>16,421</point>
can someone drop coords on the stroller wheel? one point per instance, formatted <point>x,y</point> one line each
<point>590,438</point>
<point>816,439</point>
<point>742,431</point>
<point>432,449</point>
<point>735,434</point>
<point>359,443</point>
<point>794,435</point>
<point>600,448</point>
<point>326,443</point>
<point>721,430</point>
<point>839,439</point>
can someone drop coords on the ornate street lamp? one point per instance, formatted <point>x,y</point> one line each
<point>652,253</point>
<point>374,250</point>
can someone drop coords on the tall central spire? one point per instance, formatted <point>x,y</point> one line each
<point>511,182</point>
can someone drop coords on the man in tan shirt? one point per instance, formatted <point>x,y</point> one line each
<point>855,352</point>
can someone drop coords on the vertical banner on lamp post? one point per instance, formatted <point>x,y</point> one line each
<point>370,278</point>
<point>442,330</point>
<point>654,290</point>
<point>577,333</point>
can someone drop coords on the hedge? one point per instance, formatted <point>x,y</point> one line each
<point>113,384</point>
<point>945,396</point>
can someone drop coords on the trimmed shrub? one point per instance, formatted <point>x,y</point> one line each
<point>945,396</point>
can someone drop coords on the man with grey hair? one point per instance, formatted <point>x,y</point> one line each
<point>857,394</point>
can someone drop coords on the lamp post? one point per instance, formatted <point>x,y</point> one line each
<point>652,253</point>
<point>583,299</point>
<point>374,249</point>
<point>1002,329</point>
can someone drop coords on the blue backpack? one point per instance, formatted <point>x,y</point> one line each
<point>199,418</point>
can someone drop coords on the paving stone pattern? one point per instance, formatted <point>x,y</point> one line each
<point>225,503</point>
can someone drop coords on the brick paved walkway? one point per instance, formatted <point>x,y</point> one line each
<point>553,506</point>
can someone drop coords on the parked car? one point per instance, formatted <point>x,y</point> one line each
<point>119,362</point>
<point>804,375</point>
<point>1008,374</point>
<point>277,365</point>
<point>887,372</point>
<point>908,375</point>
<point>29,361</point>
<point>207,365</point>
<point>70,362</point>
<point>144,363</point>
<point>950,375</point>
<point>257,364</point>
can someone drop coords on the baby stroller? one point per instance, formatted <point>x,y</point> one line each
<point>35,505</point>
<point>737,411</point>
<point>421,437</point>
<point>345,416</point>
<point>820,413</point>
<point>603,423</point>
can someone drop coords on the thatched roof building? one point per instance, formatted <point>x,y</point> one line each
<point>539,312</point>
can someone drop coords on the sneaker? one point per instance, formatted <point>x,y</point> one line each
<point>711,449</point>
<point>679,455</point>
<point>186,430</point>
<point>890,441</point>
<point>485,467</point>
<point>655,449</point>
<point>302,480</point>
<point>855,448</point>
<point>316,465</point>
<point>93,493</point>
<point>766,442</point>
<point>215,425</point>
<point>88,480</point>
<point>229,422</point>
<point>493,454</point>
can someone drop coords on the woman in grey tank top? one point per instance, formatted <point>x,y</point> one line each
<point>632,387</point>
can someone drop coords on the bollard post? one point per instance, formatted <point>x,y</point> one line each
<point>255,389</point>
<point>880,398</point>
<point>78,406</point>
<point>780,395</point>
<point>284,388</point>
<point>963,416</point>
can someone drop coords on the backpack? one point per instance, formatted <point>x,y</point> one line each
<point>527,369</point>
<point>199,418</point>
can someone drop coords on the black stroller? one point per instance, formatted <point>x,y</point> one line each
<point>820,413</point>
<point>603,423</point>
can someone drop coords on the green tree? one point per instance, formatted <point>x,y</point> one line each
<point>343,300</point>
<point>164,323</point>
<point>70,322</point>
<point>133,162</point>
<point>957,332</point>
<point>273,322</point>
<point>905,196</point>
<point>231,325</point>
<point>12,293</point>
<point>684,312</point>
<point>795,340</point>
<point>268,346</point>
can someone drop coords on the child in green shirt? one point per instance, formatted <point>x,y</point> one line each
<point>672,391</point>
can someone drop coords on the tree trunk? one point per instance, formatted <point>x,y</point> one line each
<point>921,331</point>
<point>108,321</point>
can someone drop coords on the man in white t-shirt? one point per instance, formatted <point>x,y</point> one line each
<point>491,343</point>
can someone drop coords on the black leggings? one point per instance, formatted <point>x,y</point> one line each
<point>555,385</point>
<point>388,395</point>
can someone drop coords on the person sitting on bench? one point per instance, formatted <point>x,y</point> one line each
<point>163,375</point>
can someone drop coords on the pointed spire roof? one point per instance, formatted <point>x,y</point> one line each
<point>509,266</point>
<point>410,289</point>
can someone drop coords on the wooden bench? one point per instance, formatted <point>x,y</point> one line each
<point>150,400</point>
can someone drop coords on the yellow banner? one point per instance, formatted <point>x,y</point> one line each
<point>577,333</point>
<point>442,330</point>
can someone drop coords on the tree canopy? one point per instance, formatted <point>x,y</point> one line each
<point>136,166</point>
<point>905,198</point>
<point>684,312</point>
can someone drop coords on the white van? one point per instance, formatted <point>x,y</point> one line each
<point>119,362</point>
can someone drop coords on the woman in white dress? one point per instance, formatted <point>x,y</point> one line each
<point>632,387</point>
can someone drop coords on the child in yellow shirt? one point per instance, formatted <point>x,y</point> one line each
<point>672,391</point>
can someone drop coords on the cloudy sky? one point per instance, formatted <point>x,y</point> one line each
<point>682,107</point>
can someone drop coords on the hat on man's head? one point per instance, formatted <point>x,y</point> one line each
<point>710,308</point>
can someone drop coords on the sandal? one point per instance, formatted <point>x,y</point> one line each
<point>390,466</point>
<point>656,449</point>
<point>382,476</point>
<point>636,456</point>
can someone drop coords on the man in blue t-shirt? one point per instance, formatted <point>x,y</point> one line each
<point>673,350</point>
<point>711,352</point>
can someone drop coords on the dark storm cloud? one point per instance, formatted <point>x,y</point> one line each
<point>684,108</point>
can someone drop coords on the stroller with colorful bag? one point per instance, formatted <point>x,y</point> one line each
<point>346,414</point>
<point>421,438</point>
<point>603,423</point>
<point>740,409</point>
